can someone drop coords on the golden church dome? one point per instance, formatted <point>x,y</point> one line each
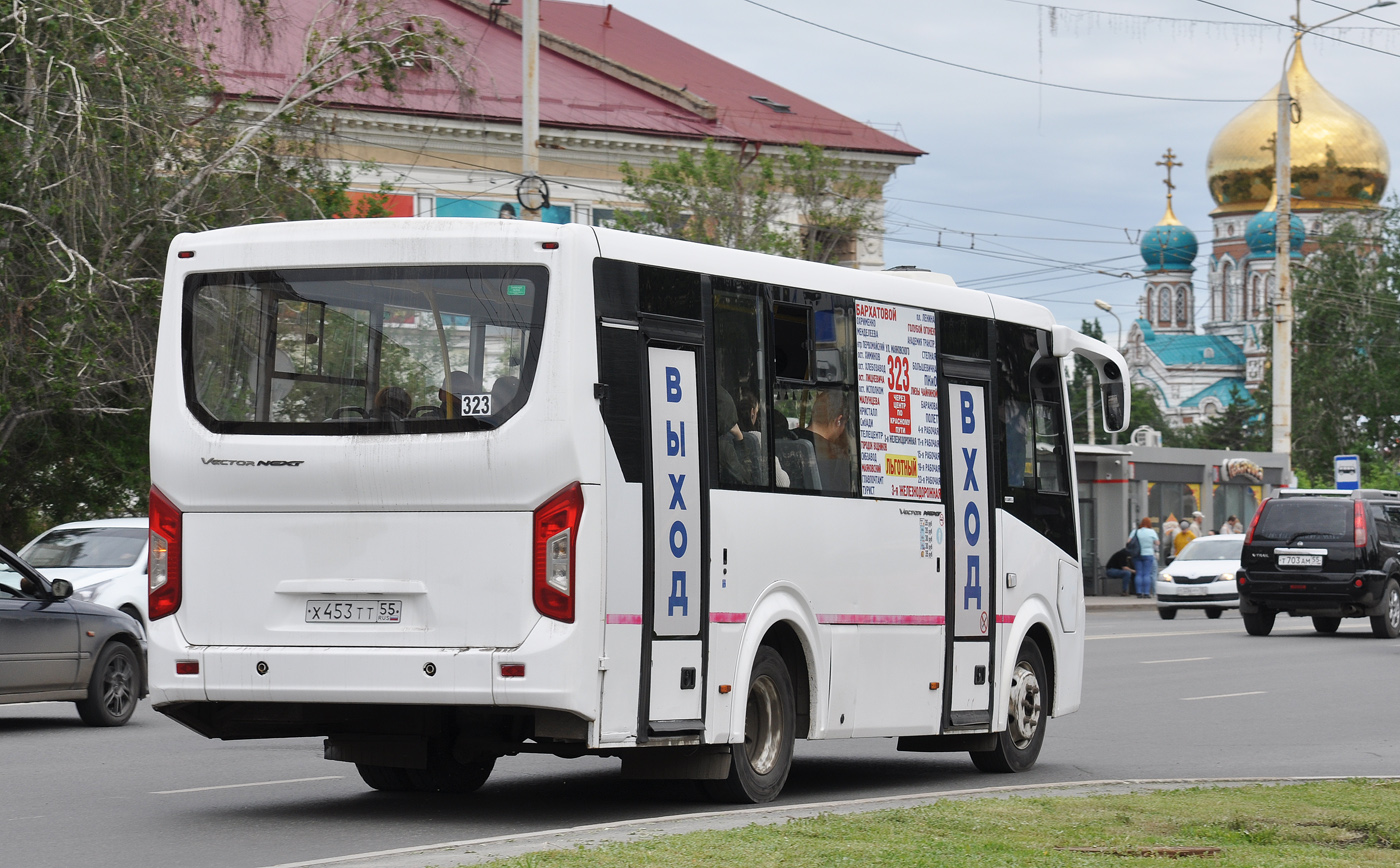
<point>1339,157</point>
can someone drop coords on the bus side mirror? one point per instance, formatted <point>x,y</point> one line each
<point>1111,368</point>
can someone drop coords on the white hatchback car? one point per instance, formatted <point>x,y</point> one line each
<point>1201,577</point>
<point>105,560</point>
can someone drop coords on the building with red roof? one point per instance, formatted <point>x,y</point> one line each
<point>612,89</point>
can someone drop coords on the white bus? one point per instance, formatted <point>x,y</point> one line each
<point>442,491</point>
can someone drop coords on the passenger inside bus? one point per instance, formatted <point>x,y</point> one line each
<point>454,386</point>
<point>830,441</point>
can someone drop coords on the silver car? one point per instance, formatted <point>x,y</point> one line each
<point>55,648</point>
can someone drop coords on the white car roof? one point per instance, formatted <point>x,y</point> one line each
<point>136,521</point>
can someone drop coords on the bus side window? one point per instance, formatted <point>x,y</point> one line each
<point>814,362</point>
<point>1033,446</point>
<point>742,394</point>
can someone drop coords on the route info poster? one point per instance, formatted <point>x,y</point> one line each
<point>898,390</point>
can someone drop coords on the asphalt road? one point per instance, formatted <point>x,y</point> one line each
<point>1185,698</point>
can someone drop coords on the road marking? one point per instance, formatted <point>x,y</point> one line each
<point>1178,660</point>
<point>238,786</point>
<point>1188,633</point>
<point>1223,695</point>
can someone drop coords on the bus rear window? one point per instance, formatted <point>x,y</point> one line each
<point>396,350</point>
<point>1298,519</point>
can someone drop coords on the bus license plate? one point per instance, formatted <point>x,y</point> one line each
<point>354,611</point>
<point>1300,560</point>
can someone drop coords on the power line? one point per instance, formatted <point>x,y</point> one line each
<point>1143,17</point>
<point>992,73</point>
<point>1289,26</point>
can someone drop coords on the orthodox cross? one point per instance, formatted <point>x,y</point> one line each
<point>1169,160</point>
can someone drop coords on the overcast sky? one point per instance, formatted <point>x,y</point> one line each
<point>1009,146</point>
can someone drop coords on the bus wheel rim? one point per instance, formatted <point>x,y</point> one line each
<point>1025,706</point>
<point>763,726</point>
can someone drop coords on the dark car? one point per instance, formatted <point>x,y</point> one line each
<point>53,648</point>
<point>1328,555</point>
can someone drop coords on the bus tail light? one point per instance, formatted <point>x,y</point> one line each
<point>1358,523</point>
<point>555,535</point>
<point>1249,537</point>
<point>164,562</point>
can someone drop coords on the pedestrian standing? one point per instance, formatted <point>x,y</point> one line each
<point>1232,525</point>
<point>1183,538</point>
<point>1198,521</point>
<point>1145,561</point>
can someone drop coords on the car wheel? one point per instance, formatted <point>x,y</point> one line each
<point>1166,614</point>
<point>1259,623</point>
<point>1326,625</point>
<point>1387,625</point>
<point>1019,745</point>
<point>1214,612</point>
<point>112,690</point>
<point>759,765</point>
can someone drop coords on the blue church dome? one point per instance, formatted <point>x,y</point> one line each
<point>1259,234</point>
<point>1169,246</point>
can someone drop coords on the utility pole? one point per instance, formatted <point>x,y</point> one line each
<point>1281,422</point>
<point>530,106</point>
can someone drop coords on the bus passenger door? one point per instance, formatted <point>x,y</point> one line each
<point>971,581</point>
<point>675,531</point>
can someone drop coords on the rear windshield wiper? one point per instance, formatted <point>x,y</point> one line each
<point>1313,533</point>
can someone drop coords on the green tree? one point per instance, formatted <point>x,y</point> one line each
<point>1346,354</point>
<point>115,135</point>
<point>1083,384</point>
<point>738,200</point>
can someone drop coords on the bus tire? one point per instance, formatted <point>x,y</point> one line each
<point>445,774</point>
<point>1018,745</point>
<point>386,779</point>
<point>759,765</point>
<point>1260,623</point>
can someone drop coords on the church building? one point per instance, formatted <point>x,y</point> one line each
<point>1340,167</point>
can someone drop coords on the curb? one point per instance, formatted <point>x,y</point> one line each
<point>477,850</point>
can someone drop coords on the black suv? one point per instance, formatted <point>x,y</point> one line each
<point>1331,555</point>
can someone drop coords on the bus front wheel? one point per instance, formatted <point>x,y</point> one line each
<point>1018,746</point>
<point>759,765</point>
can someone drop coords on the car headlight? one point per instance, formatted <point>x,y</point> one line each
<point>1226,577</point>
<point>87,593</point>
<point>1164,577</point>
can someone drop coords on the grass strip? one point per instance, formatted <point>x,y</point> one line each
<point>1354,822</point>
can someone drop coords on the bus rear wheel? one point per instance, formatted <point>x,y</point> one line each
<point>759,765</point>
<point>1019,745</point>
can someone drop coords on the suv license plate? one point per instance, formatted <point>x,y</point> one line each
<point>1300,560</point>
<point>354,611</point>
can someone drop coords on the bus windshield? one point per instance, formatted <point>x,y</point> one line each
<point>362,350</point>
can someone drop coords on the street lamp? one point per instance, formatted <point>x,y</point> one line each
<point>1108,308</point>
<point>1281,421</point>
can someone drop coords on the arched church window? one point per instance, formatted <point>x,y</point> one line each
<point>1256,296</point>
<point>1164,306</point>
<point>1181,306</point>
<point>1147,303</point>
<point>1222,305</point>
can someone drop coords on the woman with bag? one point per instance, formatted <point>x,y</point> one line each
<point>1142,545</point>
